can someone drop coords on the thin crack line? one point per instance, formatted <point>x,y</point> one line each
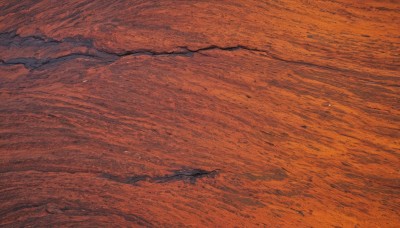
<point>110,57</point>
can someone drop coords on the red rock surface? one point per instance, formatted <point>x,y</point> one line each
<point>200,113</point>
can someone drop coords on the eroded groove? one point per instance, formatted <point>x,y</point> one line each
<point>34,63</point>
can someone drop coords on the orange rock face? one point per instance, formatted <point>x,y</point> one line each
<point>169,113</point>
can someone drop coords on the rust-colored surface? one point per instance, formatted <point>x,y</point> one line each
<point>169,113</point>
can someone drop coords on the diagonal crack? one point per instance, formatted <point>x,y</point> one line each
<point>185,51</point>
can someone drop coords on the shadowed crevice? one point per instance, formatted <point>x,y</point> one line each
<point>190,175</point>
<point>186,175</point>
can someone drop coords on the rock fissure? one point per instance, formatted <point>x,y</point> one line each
<point>106,56</point>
